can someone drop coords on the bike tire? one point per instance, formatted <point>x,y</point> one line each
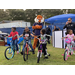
<point>27,57</point>
<point>24,55</point>
<point>38,58</point>
<point>65,55</point>
<point>12,54</point>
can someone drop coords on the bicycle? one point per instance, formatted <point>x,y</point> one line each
<point>10,51</point>
<point>69,50</point>
<point>40,50</point>
<point>26,51</point>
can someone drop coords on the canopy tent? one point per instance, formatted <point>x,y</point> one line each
<point>60,18</point>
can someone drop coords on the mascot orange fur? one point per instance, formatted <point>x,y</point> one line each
<point>37,26</point>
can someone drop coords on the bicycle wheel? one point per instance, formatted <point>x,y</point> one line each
<point>9,53</point>
<point>38,57</point>
<point>27,53</point>
<point>27,57</point>
<point>71,50</point>
<point>24,55</point>
<point>65,55</point>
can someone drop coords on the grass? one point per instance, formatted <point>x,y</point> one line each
<point>56,58</point>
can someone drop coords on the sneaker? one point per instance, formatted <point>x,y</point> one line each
<point>30,50</point>
<point>33,52</point>
<point>48,42</point>
<point>17,52</point>
<point>21,53</point>
<point>46,57</point>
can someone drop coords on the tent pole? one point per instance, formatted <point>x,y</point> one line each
<point>52,26</point>
<point>44,24</point>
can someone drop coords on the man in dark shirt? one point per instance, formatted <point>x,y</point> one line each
<point>70,25</point>
<point>56,29</point>
<point>48,31</point>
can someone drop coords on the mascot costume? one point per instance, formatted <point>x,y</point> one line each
<point>37,26</point>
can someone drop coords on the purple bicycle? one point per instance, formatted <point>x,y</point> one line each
<point>40,50</point>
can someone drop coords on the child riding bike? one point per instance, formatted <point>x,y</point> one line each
<point>15,38</point>
<point>27,34</point>
<point>43,37</point>
<point>70,35</point>
<point>69,48</point>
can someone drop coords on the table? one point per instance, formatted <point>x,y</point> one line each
<point>2,43</point>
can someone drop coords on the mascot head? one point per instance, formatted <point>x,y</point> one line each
<point>39,19</point>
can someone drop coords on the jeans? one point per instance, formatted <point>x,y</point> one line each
<point>14,43</point>
<point>29,43</point>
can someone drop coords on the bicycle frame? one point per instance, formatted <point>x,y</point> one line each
<point>40,48</point>
<point>10,44</point>
<point>68,47</point>
<point>27,47</point>
<point>10,50</point>
<point>68,50</point>
<point>13,47</point>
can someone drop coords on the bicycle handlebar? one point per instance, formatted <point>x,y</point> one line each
<point>26,38</point>
<point>41,40</point>
<point>9,37</point>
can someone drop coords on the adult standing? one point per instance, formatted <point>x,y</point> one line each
<point>48,31</point>
<point>56,28</point>
<point>70,25</point>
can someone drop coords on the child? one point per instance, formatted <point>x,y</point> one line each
<point>15,38</point>
<point>70,35</point>
<point>27,32</point>
<point>43,36</point>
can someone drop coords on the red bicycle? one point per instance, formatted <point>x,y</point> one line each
<point>26,51</point>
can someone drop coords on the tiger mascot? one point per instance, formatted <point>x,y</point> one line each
<point>37,26</point>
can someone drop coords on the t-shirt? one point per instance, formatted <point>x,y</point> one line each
<point>27,35</point>
<point>56,29</point>
<point>48,30</point>
<point>70,26</point>
<point>43,38</point>
<point>70,36</point>
<point>12,34</point>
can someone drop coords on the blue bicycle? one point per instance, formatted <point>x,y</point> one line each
<point>10,51</point>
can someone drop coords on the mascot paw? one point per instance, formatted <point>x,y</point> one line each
<point>37,25</point>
